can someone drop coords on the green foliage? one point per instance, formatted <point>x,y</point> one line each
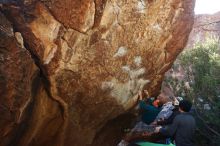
<point>201,69</point>
<point>203,61</point>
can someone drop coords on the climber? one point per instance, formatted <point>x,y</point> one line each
<point>169,112</point>
<point>149,109</point>
<point>165,116</point>
<point>183,126</point>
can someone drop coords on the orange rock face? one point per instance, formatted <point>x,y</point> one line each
<point>94,56</point>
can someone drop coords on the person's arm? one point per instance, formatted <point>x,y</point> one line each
<point>144,106</point>
<point>132,102</point>
<point>167,121</point>
<point>169,130</point>
<point>142,103</point>
<point>164,122</point>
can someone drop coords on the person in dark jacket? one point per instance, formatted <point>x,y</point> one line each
<point>183,126</point>
<point>149,111</point>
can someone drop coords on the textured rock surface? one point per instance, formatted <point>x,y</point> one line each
<point>93,57</point>
<point>16,80</point>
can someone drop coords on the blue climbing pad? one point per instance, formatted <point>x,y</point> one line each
<point>153,144</point>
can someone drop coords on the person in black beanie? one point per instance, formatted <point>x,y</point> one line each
<point>183,126</point>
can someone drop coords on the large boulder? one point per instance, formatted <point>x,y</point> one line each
<point>93,57</point>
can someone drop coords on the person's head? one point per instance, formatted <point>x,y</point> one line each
<point>156,103</point>
<point>185,105</point>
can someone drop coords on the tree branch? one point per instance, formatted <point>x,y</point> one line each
<point>209,128</point>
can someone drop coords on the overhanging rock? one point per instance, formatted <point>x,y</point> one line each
<point>94,56</point>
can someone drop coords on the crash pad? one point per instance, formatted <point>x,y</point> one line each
<point>153,144</point>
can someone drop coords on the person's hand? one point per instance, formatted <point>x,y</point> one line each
<point>140,94</point>
<point>175,102</point>
<point>161,119</point>
<point>146,93</point>
<point>157,129</point>
<point>154,123</point>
